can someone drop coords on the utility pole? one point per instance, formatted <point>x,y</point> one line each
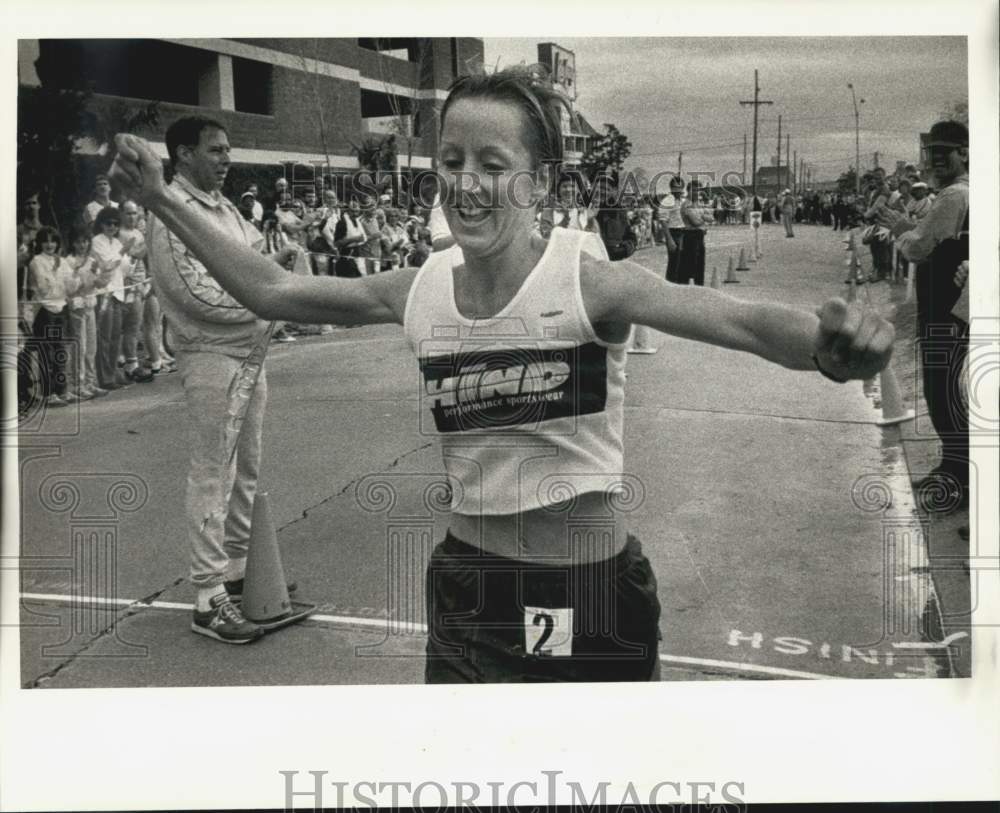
<point>875,156</point>
<point>795,166</point>
<point>680,162</point>
<point>756,105</point>
<point>744,157</point>
<point>778,174</point>
<point>857,141</point>
<point>788,155</point>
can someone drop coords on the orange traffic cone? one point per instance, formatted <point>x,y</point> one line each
<point>265,595</point>
<point>715,277</point>
<point>893,408</point>
<point>730,272</point>
<point>742,266</point>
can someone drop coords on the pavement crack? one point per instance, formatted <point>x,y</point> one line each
<point>309,509</point>
<point>128,611</point>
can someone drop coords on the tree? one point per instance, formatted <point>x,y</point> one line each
<point>54,126</point>
<point>377,154</point>
<point>846,183</point>
<point>48,123</point>
<point>101,123</point>
<point>606,155</point>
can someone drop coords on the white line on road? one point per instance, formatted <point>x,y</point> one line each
<point>382,623</point>
<point>775,671</point>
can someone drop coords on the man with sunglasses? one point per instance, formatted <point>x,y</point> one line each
<point>940,243</point>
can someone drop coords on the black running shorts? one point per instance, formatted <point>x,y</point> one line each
<point>497,620</point>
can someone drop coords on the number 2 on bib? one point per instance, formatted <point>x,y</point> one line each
<point>548,632</point>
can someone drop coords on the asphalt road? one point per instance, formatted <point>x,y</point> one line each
<point>763,510</point>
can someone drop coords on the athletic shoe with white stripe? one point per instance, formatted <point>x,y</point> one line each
<point>224,622</point>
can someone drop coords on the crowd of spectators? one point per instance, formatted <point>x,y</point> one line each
<point>89,320</point>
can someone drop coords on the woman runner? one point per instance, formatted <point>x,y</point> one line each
<point>520,343</point>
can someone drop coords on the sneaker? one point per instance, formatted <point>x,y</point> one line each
<point>70,397</point>
<point>224,622</point>
<point>84,395</point>
<point>284,338</point>
<point>55,401</point>
<point>234,588</point>
<point>141,376</point>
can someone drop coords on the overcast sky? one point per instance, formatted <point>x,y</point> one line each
<point>672,94</point>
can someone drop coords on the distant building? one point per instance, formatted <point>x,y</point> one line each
<point>772,180</point>
<point>577,132</point>
<point>269,92</point>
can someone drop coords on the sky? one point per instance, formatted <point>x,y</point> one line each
<point>672,94</point>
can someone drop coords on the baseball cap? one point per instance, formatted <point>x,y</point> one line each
<point>919,185</point>
<point>948,134</point>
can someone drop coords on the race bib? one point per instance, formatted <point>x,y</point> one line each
<point>548,633</point>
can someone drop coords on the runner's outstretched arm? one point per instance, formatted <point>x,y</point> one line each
<point>257,282</point>
<point>847,341</point>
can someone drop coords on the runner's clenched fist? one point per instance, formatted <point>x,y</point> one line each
<point>851,341</point>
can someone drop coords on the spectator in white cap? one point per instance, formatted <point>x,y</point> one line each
<point>246,206</point>
<point>920,203</point>
<point>258,208</point>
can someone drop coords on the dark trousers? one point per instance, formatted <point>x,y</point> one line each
<point>692,260</point>
<point>674,257</point>
<point>943,343</point>
<point>44,352</point>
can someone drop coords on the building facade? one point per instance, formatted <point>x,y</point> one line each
<point>577,133</point>
<point>310,102</point>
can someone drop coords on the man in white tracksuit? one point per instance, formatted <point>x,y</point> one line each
<point>212,334</point>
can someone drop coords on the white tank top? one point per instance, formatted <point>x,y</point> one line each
<point>528,404</point>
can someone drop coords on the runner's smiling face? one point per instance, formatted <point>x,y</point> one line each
<point>492,183</point>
